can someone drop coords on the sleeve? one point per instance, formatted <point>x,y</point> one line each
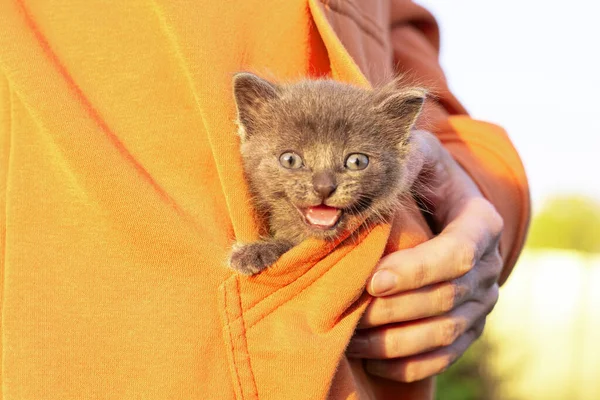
<point>482,149</point>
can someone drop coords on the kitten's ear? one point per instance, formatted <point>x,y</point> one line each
<point>251,93</point>
<point>403,107</point>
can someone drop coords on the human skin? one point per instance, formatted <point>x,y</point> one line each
<point>431,301</point>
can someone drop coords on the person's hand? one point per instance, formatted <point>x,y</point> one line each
<point>431,301</point>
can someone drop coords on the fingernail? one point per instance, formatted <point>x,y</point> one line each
<point>357,347</point>
<point>383,281</point>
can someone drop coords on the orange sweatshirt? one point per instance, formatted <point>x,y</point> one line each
<point>122,192</point>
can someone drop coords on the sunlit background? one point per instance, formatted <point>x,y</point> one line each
<point>534,68</point>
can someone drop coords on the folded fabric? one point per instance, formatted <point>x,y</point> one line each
<point>123,192</point>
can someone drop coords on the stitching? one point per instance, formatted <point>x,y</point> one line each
<point>7,170</point>
<point>231,347</point>
<point>253,388</point>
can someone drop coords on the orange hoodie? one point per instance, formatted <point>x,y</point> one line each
<point>122,192</point>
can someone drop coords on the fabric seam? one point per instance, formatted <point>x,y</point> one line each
<point>230,287</point>
<point>245,336</point>
<point>231,346</point>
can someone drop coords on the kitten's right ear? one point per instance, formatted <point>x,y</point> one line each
<point>251,94</point>
<point>402,106</point>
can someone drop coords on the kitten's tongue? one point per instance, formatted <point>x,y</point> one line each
<point>323,216</point>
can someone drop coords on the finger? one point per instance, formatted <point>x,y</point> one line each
<point>416,337</point>
<point>447,256</point>
<point>443,258</point>
<point>410,369</point>
<point>480,284</point>
<point>420,303</point>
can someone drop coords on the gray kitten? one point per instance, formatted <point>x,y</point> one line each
<point>321,158</point>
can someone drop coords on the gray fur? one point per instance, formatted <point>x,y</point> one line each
<point>323,121</point>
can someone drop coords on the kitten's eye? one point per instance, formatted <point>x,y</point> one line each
<point>357,161</point>
<point>290,160</point>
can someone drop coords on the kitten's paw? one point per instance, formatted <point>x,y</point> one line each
<point>250,259</point>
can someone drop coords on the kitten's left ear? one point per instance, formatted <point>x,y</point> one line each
<point>403,106</point>
<point>251,94</point>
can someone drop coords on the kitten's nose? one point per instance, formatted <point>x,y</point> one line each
<point>324,184</point>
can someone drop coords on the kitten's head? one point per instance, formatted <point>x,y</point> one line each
<point>322,156</point>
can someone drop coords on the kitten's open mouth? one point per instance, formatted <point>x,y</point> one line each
<point>322,216</point>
